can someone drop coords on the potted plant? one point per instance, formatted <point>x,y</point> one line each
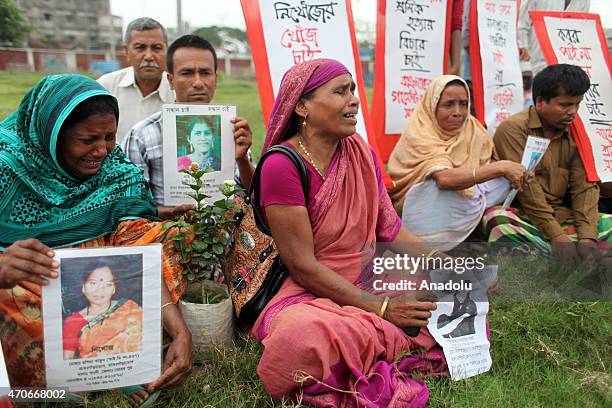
<point>203,241</point>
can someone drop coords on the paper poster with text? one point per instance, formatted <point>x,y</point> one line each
<point>578,39</point>
<point>459,324</point>
<point>201,134</point>
<point>496,72</point>
<point>535,147</point>
<point>102,318</point>
<point>412,48</point>
<point>4,380</point>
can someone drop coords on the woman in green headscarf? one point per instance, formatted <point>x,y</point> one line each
<point>65,183</point>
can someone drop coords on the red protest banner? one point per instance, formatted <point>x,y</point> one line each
<point>283,34</point>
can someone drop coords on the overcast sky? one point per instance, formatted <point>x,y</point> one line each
<point>201,13</point>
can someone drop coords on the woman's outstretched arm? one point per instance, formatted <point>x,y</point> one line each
<point>292,234</point>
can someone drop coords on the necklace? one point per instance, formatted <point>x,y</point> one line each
<point>109,306</point>
<point>310,158</point>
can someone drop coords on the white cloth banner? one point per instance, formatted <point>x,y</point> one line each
<point>501,71</point>
<point>102,318</point>
<point>295,31</point>
<point>414,55</point>
<point>576,42</point>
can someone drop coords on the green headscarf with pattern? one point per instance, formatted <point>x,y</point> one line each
<point>38,197</point>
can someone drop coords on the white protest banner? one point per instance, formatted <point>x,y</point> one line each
<point>285,33</point>
<point>535,147</point>
<point>102,318</point>
<point>201,134</point>
<point>459,323</point>
<point>496,72</point>
<point>412,48</point>
<point>578,39</point>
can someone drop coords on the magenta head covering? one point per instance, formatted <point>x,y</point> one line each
<point>298,81</point>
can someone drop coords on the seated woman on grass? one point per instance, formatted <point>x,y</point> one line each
<point>443,175</point>
<point>65,183</point>
<point>325,338</point>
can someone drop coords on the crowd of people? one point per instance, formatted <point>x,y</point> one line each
<point>67,183</point>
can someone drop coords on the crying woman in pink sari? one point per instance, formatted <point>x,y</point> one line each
<point>325,338</point>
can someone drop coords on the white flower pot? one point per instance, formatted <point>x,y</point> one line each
<point>210,324</point>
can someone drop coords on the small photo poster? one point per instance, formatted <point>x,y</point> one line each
<point>102,318</point>
<point>201,134</point>
<point>535,147</point>
<point>459,323</point>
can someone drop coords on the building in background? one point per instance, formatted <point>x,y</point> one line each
<point>71,24</point>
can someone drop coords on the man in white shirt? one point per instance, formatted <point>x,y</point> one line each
<point>529,47</point>
<point>142,88</point>
<point>192,73</point>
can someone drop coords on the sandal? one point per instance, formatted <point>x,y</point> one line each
<point>149,402</point>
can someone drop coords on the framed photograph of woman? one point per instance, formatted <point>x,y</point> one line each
<point>102,318</point>
<point>196,134</point>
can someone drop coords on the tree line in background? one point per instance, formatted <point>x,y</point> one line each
<point>14,29</point>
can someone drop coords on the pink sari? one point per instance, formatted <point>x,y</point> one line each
<point>334,355</point>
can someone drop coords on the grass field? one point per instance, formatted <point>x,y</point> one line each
<point>545,354</point>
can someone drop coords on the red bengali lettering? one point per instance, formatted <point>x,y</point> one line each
<point>302,41</point>
<point>405,97</point>
<point>607,156</point>
<point>504,9</point>
<point>502,115</point>
<point>503,99</point>
<point>498,57</point>
<point>605,134</point>
<point>573,53</point>
<point>410,81</point>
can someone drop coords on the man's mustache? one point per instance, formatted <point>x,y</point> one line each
<point>149,64</point>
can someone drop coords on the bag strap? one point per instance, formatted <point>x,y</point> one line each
<point>254,189</point>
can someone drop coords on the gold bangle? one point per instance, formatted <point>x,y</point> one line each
<point>433,252</point>
<point>167,304</point>
<point>383,307</point>
<point>474,175</point>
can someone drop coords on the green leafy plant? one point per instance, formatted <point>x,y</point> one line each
<point>211,225</point>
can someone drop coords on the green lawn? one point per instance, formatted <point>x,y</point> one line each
<point>13,86</point>
<point>545,354</point>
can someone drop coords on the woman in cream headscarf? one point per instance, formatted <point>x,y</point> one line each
<point>442,170</point>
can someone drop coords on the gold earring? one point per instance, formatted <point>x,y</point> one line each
<point>304,122</point>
